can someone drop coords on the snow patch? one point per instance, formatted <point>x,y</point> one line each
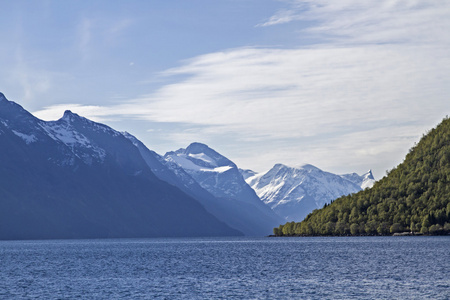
<point>183,162</point>
<point>217,170</point>
<point>69,137</point>
<point>77,142</point>
<point>27,138</point>
<point>186,164</point>
<point>204,157</point>
<point>364,181</point>
<point>295,192</point>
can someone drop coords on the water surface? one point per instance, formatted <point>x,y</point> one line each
<point>228,268</point>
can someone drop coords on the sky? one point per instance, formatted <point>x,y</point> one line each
<point>344,85</point>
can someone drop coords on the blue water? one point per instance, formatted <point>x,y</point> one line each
<point>221,268</point>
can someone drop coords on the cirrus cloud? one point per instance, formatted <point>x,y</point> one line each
<point>375,82</point>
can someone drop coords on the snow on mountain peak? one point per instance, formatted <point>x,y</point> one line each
<point>67,131</point>
<point>368,175</point>
<point>279,166</point>
<point>366,180</point>
<point>214,172</point>
<point>196,162</point>
<point>227,193</point>
<point>295,192</point>
<point>203,157</point>
<point>199,156</point>
<point>303,167</point>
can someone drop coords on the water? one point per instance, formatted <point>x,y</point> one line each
<point>234,268</point>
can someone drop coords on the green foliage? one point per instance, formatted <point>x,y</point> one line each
<point>414,196</point>
<point>396,227</point>
<point>276,231</point>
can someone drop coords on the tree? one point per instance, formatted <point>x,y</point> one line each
<point>412,227</point>
<point>425,224</point>
<point>341,228</point>
<point>436,229</point>
<point>276,231</point>
<point>383,228</point>
<point>447,227</point>
<point>415,194</point>
<point>354,229</point>
<point>329,228</point>
<point>396,227</point>
<point>371,227</point>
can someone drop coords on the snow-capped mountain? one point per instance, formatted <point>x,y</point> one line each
<point>74,178</point>
<point>364,181</point>
<point>212,171</point>
<point>295,192</point>
<point>221,178</point>
<point>236,214</point>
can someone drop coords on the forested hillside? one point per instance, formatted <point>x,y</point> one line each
<point>413,197</point>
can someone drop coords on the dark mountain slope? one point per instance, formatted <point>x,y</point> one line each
<point>74,178</point>
<point>414,196</point>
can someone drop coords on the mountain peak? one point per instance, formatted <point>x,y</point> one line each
<point>5,100</point>
<point>369,175</point>
<point>12,110</point>
<point>293,192</point>
<point>279,166</point>
<point>307,167</point>
<point>70,117</point>
<point>196,148</point>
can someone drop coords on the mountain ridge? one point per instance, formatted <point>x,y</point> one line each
<point>293,192</point>
<point>220,177</point>
<point>75,178</point>
<point>234,214</point>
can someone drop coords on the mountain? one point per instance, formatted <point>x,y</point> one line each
<point>413,197</point>
<point>295,192</point>
<point>240,216</point>
<point>235,201</point>
<point>247,173</point>
<point>74,178</point>
<point>364,181</point>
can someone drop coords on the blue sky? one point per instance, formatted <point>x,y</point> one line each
<point>344,85</point>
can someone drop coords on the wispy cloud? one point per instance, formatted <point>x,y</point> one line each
<point>283,16</point>
<point>392,21</point>
<point>379,76</point>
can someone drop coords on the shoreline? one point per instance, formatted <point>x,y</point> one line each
<point>364,235</point>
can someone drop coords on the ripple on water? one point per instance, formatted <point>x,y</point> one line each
<point>235,268</point>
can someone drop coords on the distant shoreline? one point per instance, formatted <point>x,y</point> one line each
<point>364,235</point>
